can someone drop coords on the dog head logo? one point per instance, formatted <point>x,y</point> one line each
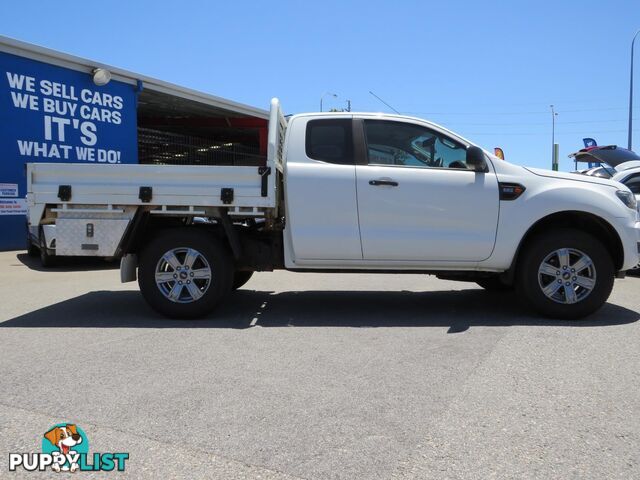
<point>65,437</point>
<point>66,440</point>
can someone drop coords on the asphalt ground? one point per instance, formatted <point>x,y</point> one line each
<point>319,376</point>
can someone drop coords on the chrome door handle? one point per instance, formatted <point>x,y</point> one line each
<point>389,183</point>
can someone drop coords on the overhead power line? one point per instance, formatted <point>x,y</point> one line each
<point>504,134</point>
<point>481,124</point>
<point>384,102</point>
<point>536,112</point>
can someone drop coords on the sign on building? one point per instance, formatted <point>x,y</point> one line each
<point>54,114</point>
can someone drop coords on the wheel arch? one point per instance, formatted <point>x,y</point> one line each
<point>144,227</point>
<point>584,221</point>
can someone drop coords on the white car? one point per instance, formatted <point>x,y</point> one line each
<point>615,162</point>
<point>346,192</point>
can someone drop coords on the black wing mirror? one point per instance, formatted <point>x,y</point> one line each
<point>476,159</point>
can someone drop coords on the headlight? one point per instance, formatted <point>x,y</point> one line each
<point>627,198</point>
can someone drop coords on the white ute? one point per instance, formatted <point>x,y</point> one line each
<point>344,192</point>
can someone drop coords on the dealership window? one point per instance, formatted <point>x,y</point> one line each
<point>330,141</point>
<point>411,145</point>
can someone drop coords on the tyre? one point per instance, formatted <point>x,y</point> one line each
<point>494,284</point>
<point>32,250</point>
<point>185,273</point>
<point>240,278</point>
<point>566,274</point>
<point>46,259</point>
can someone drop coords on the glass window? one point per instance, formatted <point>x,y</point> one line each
<point>398,143</point>
<point>330,141</point>
<point>633,183</point>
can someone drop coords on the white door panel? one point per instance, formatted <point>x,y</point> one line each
<point>323,217</point>
<point>431,214</point>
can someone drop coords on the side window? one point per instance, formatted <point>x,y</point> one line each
<point>330,141</point>
<point>406,144</point>
<point>633,183</point>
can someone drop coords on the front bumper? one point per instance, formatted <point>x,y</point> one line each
<point>630,237</point>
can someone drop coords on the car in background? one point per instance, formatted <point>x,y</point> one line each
<point>631,178</point>
<point>613,162</point>
<point>610,155</point>
<point>601,171</point>
<point>616,163</point>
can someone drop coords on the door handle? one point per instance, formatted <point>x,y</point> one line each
<point>389,183</point>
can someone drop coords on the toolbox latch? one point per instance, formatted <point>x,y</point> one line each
<point>146,194</point>
<point>64,192</point>
<point>226,195</point>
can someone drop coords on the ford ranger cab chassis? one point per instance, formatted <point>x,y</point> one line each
<point>343,192</point>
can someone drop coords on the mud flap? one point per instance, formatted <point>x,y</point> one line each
<point>128,268</point>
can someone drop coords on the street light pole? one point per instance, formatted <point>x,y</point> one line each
<point>324,95</point>
<point>553,136</point>
<point>629,138</point>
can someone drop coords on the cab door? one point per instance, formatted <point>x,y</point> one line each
<point>320,191</point>
<point>418,200</point>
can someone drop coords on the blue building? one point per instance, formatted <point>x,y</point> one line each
<point>59,108</point>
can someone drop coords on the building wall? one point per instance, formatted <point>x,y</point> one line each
<point>54,114</point>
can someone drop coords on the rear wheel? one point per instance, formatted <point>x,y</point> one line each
<point>32,250</point>
<point>185,273</point>
<point>240,278</point>
<point>46,259</point>
<point>565,274</point>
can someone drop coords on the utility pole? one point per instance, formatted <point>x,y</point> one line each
<point>630,137</point>
<point>348,105</point>
<point>554,148</point>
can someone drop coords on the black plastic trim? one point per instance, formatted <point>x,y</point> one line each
<point>145,194</point>
<point>64,192</point>
<point>226,195</point>
<point>510,191</point>
<point>264,173</point>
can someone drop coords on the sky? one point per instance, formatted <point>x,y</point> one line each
<point>487,70</point>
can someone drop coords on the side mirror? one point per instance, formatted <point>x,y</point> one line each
<point>476,160</point>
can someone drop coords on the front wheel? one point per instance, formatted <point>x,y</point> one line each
<point>185,273</point>
<point>565,274</point>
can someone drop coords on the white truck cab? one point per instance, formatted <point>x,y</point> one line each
<point>346,192</point>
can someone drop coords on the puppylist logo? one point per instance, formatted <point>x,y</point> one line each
<point>65,448</point>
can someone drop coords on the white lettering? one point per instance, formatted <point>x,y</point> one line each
<point>15,459</point>
<point>45,87</point>
<point>19,81</point>
<point>86,96</point>
<point>86,154</point>
<point>88,131</point>
<point>66,149</point>
<point>59,90</point>
<point>47,127</point>
<point>61,122</point>
<point>61,107</point>
<point>30,465</point>
<point>25,148</point>
<point>21,100</point>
